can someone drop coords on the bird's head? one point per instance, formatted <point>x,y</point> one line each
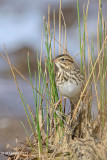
<point>64,62</point>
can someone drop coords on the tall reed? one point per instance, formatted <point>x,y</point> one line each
<point>45,87</point>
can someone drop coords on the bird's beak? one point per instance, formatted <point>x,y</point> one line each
<point>54,60</point>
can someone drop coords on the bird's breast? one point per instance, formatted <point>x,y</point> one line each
<point>69,89</point>
<point>68,84</point>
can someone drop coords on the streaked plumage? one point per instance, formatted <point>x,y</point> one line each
<point>69,79</point>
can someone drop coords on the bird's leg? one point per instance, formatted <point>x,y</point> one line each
<point>72,108</point>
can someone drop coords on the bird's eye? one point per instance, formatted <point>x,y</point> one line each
<point>62,59</point>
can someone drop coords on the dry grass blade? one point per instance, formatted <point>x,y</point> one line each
<point>54,107</point>
<point>60,28</point>
<point>93,68</point>
<point>8,60</point>
<point>89,54</point>
<point>24,78</point>
<point>65,50</point>
<point>54,30</point>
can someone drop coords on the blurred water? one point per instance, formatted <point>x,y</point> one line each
<point>21,25</point>
<point>19,21</point>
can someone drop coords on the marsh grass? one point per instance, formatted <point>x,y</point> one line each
<point>44,88</point>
